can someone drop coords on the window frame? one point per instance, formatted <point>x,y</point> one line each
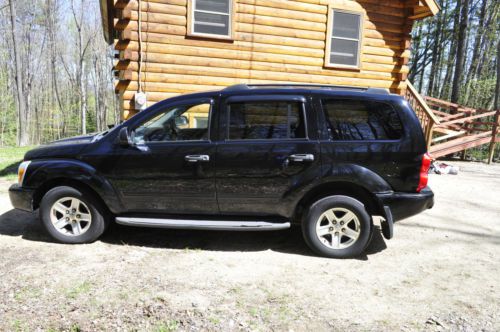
<point>195,102</point>
<point>264,98</point>
<point>329,36</point>
<point>325,137</point>
<point>191,5</point>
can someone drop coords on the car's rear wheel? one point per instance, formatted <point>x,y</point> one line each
<point>337,227</point>
<point>72,215</point>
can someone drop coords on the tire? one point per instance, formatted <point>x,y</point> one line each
<point>344,234</point>
<point>72,215</point>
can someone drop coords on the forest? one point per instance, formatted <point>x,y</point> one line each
<point>56,52</point>
<point>56,77</point>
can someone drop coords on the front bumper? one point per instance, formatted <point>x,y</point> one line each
<point>404,205</point>
<point>21,198</point>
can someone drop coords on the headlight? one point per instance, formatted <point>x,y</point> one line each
<point>22,171</point>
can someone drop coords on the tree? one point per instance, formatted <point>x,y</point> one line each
<point>82,50</point>
<point>461,49</point>
<point>22,132</point>
<point>497,87</point>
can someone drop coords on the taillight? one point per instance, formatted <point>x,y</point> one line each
<point>424,172</point>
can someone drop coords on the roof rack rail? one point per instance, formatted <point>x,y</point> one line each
<point>236,87</point>
<point>239,87</point>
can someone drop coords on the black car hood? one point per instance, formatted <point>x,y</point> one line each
<point>73,140</point>
<point>64,148</point>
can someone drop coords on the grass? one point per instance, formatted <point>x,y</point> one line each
<point>168,326</point>
<point>79,289</point>
<point>10,158</point>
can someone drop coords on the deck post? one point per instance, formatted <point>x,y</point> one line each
<point>494,134</point>
<point>429,130</point>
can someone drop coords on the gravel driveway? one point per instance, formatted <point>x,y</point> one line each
<point>440,272</point>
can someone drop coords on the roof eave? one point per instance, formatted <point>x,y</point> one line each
<point>424,8</point>
<point>106,7</point>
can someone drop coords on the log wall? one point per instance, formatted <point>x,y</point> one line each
<point>274,41</point>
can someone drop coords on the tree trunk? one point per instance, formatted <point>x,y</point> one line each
<point>435,54</point>
<point>497,89</point>
<point>415,51</point>
<point>452,54</point>
<point>22,123</point>
<point>476,49</point>
<point>83,98</point>
<point>461,49</point>
<point>424,64</point>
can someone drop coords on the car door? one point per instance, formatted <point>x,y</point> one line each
<point>169,168</point>
<point>265,153</point>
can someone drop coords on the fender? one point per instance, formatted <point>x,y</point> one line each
<point>357,174</point>
<point>340,173</point>
<point>42,171</point>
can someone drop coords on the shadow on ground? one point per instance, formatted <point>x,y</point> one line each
<point>10,169</point>
<point>28,227</point>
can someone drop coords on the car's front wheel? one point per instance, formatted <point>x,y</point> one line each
<point>337,227</point>
<point>72,215</point>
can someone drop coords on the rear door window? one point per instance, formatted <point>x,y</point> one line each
<point>355,120</point>
<point>266,120</point>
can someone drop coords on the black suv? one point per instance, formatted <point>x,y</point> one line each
<point>248,157</point>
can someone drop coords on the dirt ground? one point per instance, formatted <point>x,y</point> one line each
<point>440,272</point>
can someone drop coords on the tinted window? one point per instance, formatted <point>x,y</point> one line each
<point>361,120</point>
<point>266,120</point>
<point>181,123</point>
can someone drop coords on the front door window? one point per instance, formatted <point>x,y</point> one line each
<point>180,123</point>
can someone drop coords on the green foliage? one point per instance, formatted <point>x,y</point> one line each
<point>8,116</point>
<point>82,288</point>
<point>168,326</point>
<point>10,158</point>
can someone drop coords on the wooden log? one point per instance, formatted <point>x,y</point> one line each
<point>290,31</point>
<point>245,68</point>
<point>120,4</point>
<point>242,42</point>
<point>282,13</point>
<point>270,79</point>
<point>161,8</point>
<point>264,52</point>
<point>248,42</point>
<point>215,73</point>
<point>151,96</point>
<point>369,62</point>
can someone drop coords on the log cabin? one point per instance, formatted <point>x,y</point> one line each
<point>167,47</point>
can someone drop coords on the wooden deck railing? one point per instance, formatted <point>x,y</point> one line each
<point>427,118</point>
<point>451,128</point>
<point>461,128</point>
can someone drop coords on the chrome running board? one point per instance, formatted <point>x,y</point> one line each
<point>217,225</point>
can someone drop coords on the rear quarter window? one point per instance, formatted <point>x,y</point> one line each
<point>358,120</point>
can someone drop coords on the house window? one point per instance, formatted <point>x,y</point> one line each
<point>210,18</point>
<point>343,46</point>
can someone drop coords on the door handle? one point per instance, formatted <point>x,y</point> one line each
<point>301,157</point>
<point>194,158</point>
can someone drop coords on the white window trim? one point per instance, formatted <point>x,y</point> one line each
<point>330,36</point>
<point>191,21</point>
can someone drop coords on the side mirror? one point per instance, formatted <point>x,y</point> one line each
<point>124,138</point>
<point>181,121</point>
